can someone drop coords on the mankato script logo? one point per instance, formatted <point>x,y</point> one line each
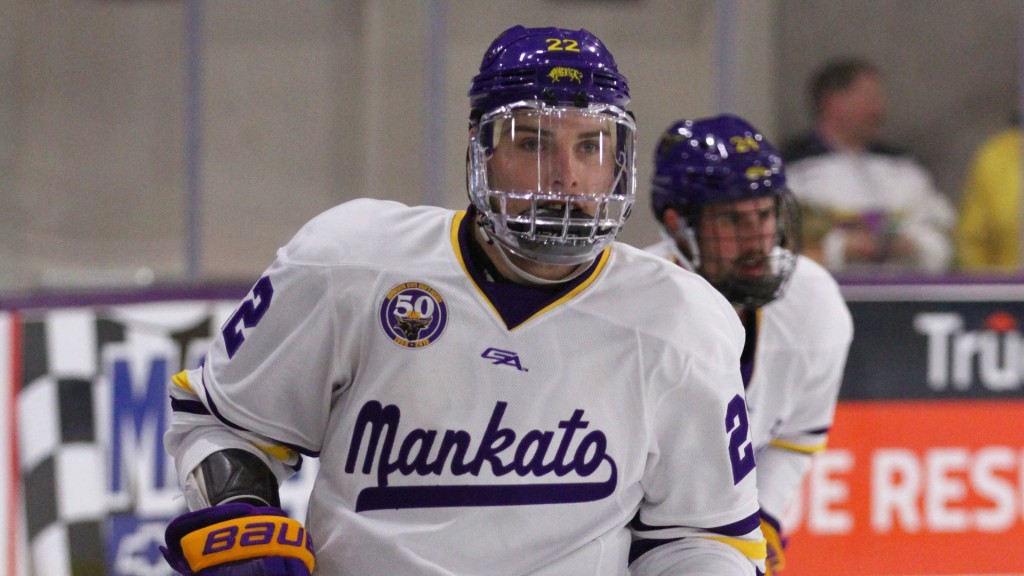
<point>562,73</point>
<point>566,451</point>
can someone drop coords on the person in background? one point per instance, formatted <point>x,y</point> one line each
<point>885,214</point>
<point>719,191</point>
<point>988,234</point>
<point>501,390</point>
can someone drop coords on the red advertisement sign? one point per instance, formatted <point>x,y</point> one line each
<point>915,488</point>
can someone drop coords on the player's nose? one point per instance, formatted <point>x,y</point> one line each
<point>564,170</point>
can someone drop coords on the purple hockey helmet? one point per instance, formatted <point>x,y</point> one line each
<point>551,65</point>
<point>717,161</point>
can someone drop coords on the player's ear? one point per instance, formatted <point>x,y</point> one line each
<point>670,219</point>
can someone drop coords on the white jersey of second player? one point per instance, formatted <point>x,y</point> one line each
<point>464,431</point>
<point>792,382</point>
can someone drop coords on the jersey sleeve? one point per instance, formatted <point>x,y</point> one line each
<point>268,378</point>
<point>827,334</point>
<point>700,512</point>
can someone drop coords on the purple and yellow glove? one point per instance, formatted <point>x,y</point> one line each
<point>776,561</point>
<point>238,540</point>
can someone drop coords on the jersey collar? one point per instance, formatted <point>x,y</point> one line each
<point>514,304</point>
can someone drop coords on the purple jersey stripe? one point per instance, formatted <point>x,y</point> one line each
<point>400,497</point>
<point>215,412</point>
<point>738,528</point>
<point>640,547</point>
<point>189,406</point>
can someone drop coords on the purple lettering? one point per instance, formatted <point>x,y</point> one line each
<point>282,538</point>
<point>376,416</point>
<point>500,447</point>
<point>421,441</point>
<point>220,539</point>
<point>574,423</point>
<point>542,440</point>
<point>258,534</point>
<point>495,440</point>
<point>579,462</point>
<point>457,440</point>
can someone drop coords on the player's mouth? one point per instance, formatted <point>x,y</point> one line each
<point>751,265</point>
<point>550,221</point>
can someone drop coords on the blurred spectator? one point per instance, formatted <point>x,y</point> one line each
<point>988,234</point>
<point>881,209</point>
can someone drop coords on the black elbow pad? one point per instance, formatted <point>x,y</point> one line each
<point>236,475</point>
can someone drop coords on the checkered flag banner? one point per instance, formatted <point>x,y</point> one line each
<point>91,406</point>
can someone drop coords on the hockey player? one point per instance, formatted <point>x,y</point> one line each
<point>502,390</point>
<point>720,194</point>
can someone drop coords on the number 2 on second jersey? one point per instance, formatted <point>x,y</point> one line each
<point>741,453</point>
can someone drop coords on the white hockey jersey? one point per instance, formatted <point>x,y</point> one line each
<point>801,341</point>
<point>473,428</point>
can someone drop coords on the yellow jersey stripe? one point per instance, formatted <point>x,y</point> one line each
<point>456,223</point>
<point>582,286</point>
<point>282,453</point>
<point>803,449</point>
<point>753,550</point>
<point>181,380</point>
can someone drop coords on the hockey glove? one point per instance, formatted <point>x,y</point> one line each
<point>776,561</point>
<point>238,540</point>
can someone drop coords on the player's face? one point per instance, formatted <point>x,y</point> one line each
<point>736,238</point>
<point>564,154</point>
<point>862,106</point>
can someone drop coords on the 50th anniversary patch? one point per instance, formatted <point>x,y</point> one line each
<point>413,315</point>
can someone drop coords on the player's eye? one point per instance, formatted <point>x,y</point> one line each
<point>730,217</point>
<point>528,144</point>
<point>591,146</point>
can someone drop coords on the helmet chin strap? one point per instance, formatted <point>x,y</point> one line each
<point>523,274</point>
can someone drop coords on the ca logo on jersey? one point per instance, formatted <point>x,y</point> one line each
<point>413,315</point>
<point>500,357</point>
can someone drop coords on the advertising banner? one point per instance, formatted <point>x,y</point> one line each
<point>924,473</point>
<point>92,406</point>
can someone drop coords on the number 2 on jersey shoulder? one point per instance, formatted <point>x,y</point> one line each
<point>741,453</point>
<point>248,315</point>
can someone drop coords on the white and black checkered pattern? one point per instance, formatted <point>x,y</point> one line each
<point>83,514</point>
<point>60,459</point>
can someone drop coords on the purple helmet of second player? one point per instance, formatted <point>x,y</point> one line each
<point>720,161</point>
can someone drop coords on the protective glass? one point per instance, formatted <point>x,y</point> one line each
<point>554,184</point>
